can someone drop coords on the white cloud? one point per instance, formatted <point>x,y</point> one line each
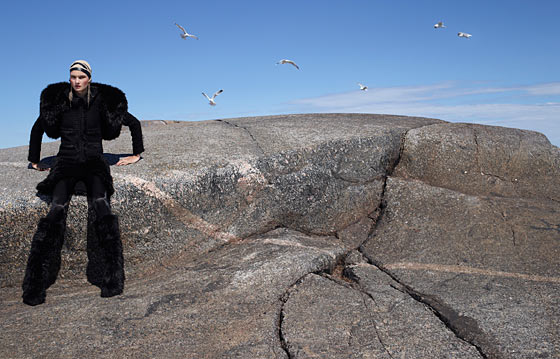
<point>450,102</point>
<point>552,88</point>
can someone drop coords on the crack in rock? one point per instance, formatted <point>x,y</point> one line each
<point>283,342</point>
<point>365,295</point>
<point>283,299</point>
<point>286,295</point>
<point>477,153</point>
<point>464,327</point>
<point>248,132</point>
<point>354,285</point>
<point>506,222</point>
<point>339,177</point>
<point>391,169</point>
<point>548,227</point>
<point>376,214</point>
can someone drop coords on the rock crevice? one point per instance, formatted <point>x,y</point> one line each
<point>248,132</point>
<point>464,327</point>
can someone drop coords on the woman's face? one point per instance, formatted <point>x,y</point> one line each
<point>79,81</point>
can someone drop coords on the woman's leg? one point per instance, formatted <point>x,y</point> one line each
<point>43,263</point>
<point>107,228</point>
<point>97,194</point>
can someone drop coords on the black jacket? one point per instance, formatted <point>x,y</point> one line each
<point>82,128</point>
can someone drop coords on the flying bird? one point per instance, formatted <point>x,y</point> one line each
<point>211,100</point>
<point>185,34</point>
<point>284,61</point>
<point>439,25</point>
<point>464,34</point>
<point>362,87</point>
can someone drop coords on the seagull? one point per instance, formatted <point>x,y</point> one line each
<point>362,87</point>
<point>211,100</point>
<point>284,61</point>
<point>464,34</point>
<point>439,25</point>
<point>185,34</point>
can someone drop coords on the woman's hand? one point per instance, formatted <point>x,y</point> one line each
<point>128,160</point>
<point>35,166</point>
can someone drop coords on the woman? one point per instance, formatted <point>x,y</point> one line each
<point>82,114</point>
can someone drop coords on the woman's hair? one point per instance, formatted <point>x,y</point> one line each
<point>83,66</point>
<point>71,95</point>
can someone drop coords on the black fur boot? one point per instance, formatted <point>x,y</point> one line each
<point>107,228</point>
<point>43,263</point>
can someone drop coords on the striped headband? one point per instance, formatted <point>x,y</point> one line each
<point>81,65</point>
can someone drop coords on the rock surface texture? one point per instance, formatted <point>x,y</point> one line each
<point>303,236</point>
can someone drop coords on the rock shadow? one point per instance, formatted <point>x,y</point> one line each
<point>48,162</point>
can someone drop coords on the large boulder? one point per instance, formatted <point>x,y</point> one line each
<point>205,183</point>
<point>321,235</point>
<point>471,222</point>
<point>483,160</point>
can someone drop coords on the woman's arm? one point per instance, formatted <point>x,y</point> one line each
<point>137,140</point>
<point>35,139</point>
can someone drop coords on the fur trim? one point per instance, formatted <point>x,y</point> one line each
<point>54,102</point>
<point>43,263</point>
<point>115,106</point>
<point>109,236</point>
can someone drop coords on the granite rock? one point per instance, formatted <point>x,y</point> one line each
<point>299,236</point>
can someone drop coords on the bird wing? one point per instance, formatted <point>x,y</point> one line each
<point>217,93</point>
<point>196,37</point>
<point>182,28</point>
<point>205,95</point>
<point>293,63</point>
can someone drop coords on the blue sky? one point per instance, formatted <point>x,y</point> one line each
<point>507,74</point>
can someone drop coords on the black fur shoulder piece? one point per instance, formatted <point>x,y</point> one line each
<point>54,102</point>
<point>114,99</point>
<point>115,108</point>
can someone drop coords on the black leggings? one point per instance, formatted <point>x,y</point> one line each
<point>63,190</point>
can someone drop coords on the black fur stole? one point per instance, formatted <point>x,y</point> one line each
<point>54,102</point>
